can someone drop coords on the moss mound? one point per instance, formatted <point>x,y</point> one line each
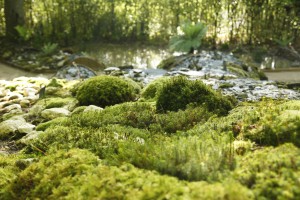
<point>272,173</point>
<point>104,91</point>
<point>178,92</point>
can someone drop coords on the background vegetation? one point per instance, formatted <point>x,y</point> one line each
<point>237,22</point>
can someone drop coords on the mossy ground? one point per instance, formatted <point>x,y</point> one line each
<point>132,151</point>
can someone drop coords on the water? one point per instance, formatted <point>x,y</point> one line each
<point>9,73</point>
<point>137,55</point>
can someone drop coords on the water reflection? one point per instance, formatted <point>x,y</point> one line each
<point>139,56</point>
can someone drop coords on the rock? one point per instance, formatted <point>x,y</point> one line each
<point>30,137</point>
<point>92,108</point>
<point>11,126</point>
<point>75,72</point>
<point>26,128</point>
<point>25,103</point>
<point>89,63</point>
<point>53,113</point>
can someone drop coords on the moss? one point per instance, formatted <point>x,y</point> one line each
<point>266,123</point>
<point>178,92</point>
<point>168,63</point>
<point>54,83</point>
<point>58,102</point>
<point>8,172</point>
<point>42,179</point>
<point>272,173</point>
<point>104,91</point>
<point>55,122</point>
<point>150,92</point>
<point>189,158</point>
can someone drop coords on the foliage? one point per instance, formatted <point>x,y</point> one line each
<point>190,39</point>
<point>272,173</point>
<point>24,33</point>
<point>178,92</point>
<point>104,91</point>
<point>49,48</point>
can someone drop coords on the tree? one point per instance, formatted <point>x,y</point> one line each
<point>14,16</point>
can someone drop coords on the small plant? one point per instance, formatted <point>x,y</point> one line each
<point>190,39</point>
<point>24,33</point>
<point>49,48</point>
<point>105,91</point>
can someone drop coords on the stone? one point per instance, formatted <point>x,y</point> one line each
<point>92,108</point>
<point>10,126</point>
<point>26,128</point>
<point>30,137</point>
<point>53,113</point>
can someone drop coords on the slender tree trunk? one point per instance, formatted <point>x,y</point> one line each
<point>14,16</point>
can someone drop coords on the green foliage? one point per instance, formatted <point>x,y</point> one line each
<point>104,91</point>
<point>191,37</point>
<point>272,173</point>
<point>178,92</point>
<point>49,48</point>
<point>24,33</point>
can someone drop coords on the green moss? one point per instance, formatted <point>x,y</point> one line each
<point>272,173</point>
<point>168,63</point>
<point>178,92</point>
<point>150,92</point>
<point>42,179</point>
<point>54,83</point>
<point>266,123</point>
<point>104,91</point>
<point>55,122</point>
<point>8,172</point>
<point>58,102</point>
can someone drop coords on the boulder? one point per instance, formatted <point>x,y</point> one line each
<point>16,124</point>
<point>92,108</point>
<point>53,113</point>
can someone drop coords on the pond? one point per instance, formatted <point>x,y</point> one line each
<point>138,55</point>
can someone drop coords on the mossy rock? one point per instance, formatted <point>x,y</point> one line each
<point>168,63</point>
<point>178,92</point>
<point>105,91</point>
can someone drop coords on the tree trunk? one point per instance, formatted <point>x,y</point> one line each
<point>14,16</point>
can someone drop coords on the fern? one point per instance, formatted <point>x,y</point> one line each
<point>49,48</point>
<point>190,39</point>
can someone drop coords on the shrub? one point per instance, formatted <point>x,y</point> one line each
<point>104,91</point>
<point>190,39</point>
<point>272,173</point>
<point>178,92</point>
